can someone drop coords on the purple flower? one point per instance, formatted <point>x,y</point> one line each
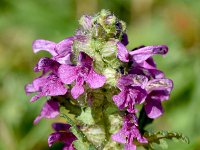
<point>62,134</point>
<point>129,132</point>
<point>142,61</point>
<point>83,72</point>
<point>136,89</point>
<point>47,64</point>
<point>49,85</point>
<point>61,51</point>
<point>158,91</point>
<point>49,110</point>
<point>147,68</point>
<point>132,91</point>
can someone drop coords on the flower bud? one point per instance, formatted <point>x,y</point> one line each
<point>111,76</point>
<point>86,22</point>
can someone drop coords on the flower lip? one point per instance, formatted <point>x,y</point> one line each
<point>41,44</point>
<point>81,73</point>
<point>49,85</point>
<point>63,135</point>
<point>49,110</point>
<point>142,54</point>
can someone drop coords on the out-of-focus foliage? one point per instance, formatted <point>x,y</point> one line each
<point>150,22</point>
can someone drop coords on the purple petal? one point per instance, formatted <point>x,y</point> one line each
<point>153,108</point>
<point>35,87</point>
<point>139,80</point>
<point>65,46</point>
<point>67,73</point>
<point>151,62</point>
<point>36,97</point>
<point>129,132</point>
<point>85,60</point>
<point>29,88</point>
<point>150,69</point>
<point>119,136</point>
<point>64,51</point>
<point>64,60</point>
<point>156,74</point>
<point>61,127</point>
<point>120,99</point>
<point>46,64</point>
<point>39,82</point>
<point>138,94</point>
<point>95,80</point>
<point>50,85</point>
<point>133,80</point>
<point>122,53</point>
<point>160,95</point>
<point>124,81</point>
<point>142,139</point>
<point>149,73</point>
<point>49,110</point>
<point>70,147</point>
<point>49,46</point>
<point>159,84</point>
<point>66,137</point>
<point>54,86</point>
<point>144,53</point>
<point>77,90</point>
<point>129,147</point>
<point>146,65</point>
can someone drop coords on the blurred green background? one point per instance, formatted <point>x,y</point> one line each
<point>150,22</point>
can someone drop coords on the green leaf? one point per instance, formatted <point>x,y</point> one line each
<point>82,142</point>
<point>86,116</point>
<point>163,144</point>
<point>160,137</point>
<point>80,145</point>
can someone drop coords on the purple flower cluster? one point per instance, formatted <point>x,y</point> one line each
<point>71,72</point>
<point>59,70</point>
<point>144,84</point>
<point>56,72</point>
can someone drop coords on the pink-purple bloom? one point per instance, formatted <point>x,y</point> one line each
<point>62,134</point>
<point>142,54</point>
<point>158,91</point>
<point>49,85</point>
<point>122,53</point>
<point>129,132</point>
<point>138,86</point>
<point>143,63</point>
<point>137,89</point>
<point>132,92</point>
<point>97,57</point>
<point>49,110</point>
<point>61,52</point>
<point>47,64</point>
<point>81,73</point>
